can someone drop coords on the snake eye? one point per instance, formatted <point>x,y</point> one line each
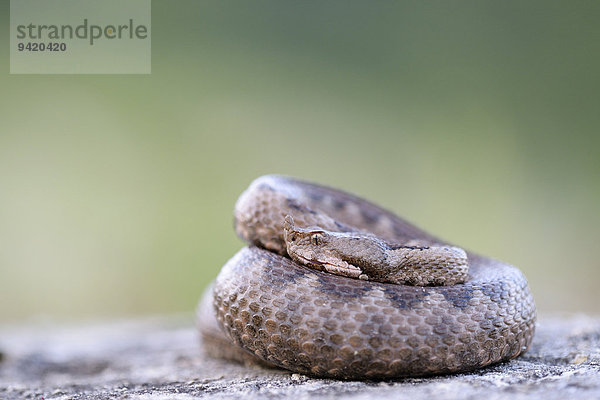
<point>315,238</point>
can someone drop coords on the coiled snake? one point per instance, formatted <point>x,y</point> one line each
<point>366,295</point>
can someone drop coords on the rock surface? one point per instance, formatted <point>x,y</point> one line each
<point>161,358</point>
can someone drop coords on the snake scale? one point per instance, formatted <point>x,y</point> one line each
<point>365,294</point>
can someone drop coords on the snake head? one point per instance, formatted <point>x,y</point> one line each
<point>316,248</point>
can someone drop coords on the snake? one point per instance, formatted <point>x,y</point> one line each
<point>331,285</point>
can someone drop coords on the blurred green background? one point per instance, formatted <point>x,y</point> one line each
<point>478,121</point>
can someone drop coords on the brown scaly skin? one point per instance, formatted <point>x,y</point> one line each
<point>316,323</point>
<point>366,257</point>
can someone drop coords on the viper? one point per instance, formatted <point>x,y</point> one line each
<point>331,285</point>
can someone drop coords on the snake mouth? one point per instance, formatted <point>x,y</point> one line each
<point>345,269</point>
<point>316,264</point>
<point>307,261</point>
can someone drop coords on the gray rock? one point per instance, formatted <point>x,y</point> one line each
<point>161,358</point>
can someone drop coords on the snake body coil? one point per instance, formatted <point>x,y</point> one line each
<point>317,323</point>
